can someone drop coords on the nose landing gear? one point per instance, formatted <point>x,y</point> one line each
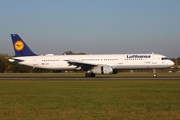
<point>154,73</point>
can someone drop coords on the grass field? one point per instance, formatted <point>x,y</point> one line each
<point>90,99</point>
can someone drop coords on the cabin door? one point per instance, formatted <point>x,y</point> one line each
<point>154,60</point>
<point>120,61</point>
<point>35,63</point>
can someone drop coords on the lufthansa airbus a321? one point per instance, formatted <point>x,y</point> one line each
<point>92,64</point>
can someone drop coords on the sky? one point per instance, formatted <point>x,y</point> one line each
<point>92,26</point>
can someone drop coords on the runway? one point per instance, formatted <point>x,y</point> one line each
<point>96,78</point>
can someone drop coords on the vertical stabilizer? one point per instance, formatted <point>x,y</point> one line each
<point>20,47</point>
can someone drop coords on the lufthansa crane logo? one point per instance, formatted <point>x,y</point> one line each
<point>19,45</point>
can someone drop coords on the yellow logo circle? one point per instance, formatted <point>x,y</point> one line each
<point>19,45</point>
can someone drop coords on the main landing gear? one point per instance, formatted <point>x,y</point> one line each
<point>90,74</point>
<point>154,73</point>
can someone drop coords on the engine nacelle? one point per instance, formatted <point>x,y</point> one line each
<point>102,70</point>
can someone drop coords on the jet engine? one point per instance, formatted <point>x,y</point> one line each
<point>102,70</point>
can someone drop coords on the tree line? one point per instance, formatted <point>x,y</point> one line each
<point>6,66</point>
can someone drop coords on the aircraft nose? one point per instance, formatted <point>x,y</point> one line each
<point>171,63</point>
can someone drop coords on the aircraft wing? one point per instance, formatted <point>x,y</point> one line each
<point>81,65</point>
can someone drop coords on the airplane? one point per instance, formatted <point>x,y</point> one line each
<point>92,64</point>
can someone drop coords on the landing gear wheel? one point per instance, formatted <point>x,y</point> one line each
<point>87,75</point>
<point>92,75</point>
<point>154,75</point>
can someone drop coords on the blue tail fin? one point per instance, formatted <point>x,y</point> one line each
<point>20,47</point>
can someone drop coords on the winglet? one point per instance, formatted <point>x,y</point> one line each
<point>20,47</point>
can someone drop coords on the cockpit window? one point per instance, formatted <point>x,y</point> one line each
<point>164,58</point>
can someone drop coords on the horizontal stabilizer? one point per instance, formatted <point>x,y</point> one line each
<point>15,60</point>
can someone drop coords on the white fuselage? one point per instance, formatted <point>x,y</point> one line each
<point>116,61</point>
